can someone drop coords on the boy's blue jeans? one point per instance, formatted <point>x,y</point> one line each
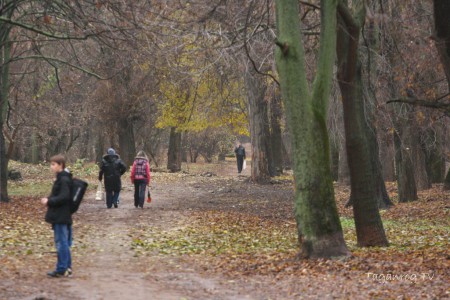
<point>63,242</point>
<point>112,197</point>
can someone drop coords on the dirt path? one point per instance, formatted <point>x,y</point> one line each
<point>108,263</point>
<point>107,267</point>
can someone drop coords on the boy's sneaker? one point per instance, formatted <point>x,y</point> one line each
<point>55,274</point>
<point>69,272</point>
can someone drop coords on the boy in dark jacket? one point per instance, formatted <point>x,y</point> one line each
<point>59,215</point>
<point>113,168</point>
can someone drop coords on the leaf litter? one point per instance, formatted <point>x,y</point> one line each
<point>245,233</point>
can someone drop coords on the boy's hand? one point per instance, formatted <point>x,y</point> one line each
<point>44,201</point>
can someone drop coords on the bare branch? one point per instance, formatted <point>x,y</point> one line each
<point>47,58</point>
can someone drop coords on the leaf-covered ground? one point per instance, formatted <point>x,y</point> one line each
<point>210,234</point>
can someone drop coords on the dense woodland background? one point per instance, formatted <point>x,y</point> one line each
<point>186,80</point>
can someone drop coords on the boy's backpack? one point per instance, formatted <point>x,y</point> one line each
<point>78,189</point>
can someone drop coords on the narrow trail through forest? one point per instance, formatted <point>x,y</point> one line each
<point>110,269</point>
<point>211,234</point>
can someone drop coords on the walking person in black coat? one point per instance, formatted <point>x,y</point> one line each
<point>112,167</point>
<point>59,215</point>
<point>240,157</point>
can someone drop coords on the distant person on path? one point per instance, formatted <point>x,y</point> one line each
<point>140,177</point>
<point>240,157</point>
<point>59,215</point>
<point>112,167</point>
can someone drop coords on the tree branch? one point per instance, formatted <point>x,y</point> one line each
<point>46,33</point>
<point>346,15</point>
<point>445,106</point>
<point>310,4</point>
<point>47,58</point>
<point>247,51</point>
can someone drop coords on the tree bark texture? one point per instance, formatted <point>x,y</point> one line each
<point>434,157</point>
<point>259,127</point>
<point>343,172</point>
<point>3,170</point>
<point>334,157</point>
<point>387,154</point>
<point>447,181</point>
<point>4,103</point>
<point>364,176</point>
<point>174,153</point>
<point>418,158</point>
<point>407,190</point>
<point>442,33</point>
<point>276,139</point>
<point>318,225</point>
<point>127,146</point>
<point>99,147</point>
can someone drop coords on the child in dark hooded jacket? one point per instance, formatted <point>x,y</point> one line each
<point>112,168</point>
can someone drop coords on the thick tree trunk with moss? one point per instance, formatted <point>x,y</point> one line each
<point>319,228</point>
<point>174,153</point>
<point>259,127</point>
<point>365,193</point>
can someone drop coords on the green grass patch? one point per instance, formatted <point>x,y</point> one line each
<point>215,234</point>
<point>235,234</point>
<point>405,235</point>
<point>30,188</point>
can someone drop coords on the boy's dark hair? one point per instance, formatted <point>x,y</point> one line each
<point>59,159</point>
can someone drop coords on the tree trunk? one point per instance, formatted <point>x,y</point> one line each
<point>174,153</point>
<point>259,134</point>
<point>35,151</point>
<point>441,9</point>
<point>343,172</point>
<point>99,147</point>
<point>3,170</point>
<point>407,190</point>
<point>5,54</point>
<point>380,187</point>
<point>387,155</point>
<point>334,156</point>
<point>435,163</point>
<point>418,158</point>
<point>276,138</point>
<point>127,146</point>
<point>364,176</point>
<point>442,34</point>
<point>435,160</point>
<point>447,181</point>
<point>318,226</point>
<point>84,147</point>
<point>184,149</point>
